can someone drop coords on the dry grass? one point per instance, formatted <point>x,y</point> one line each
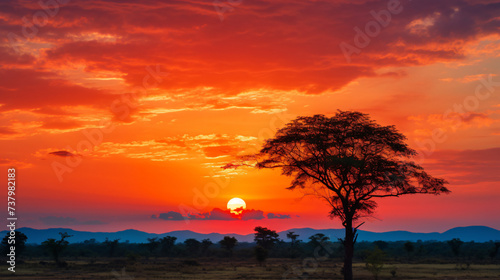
<point>218,269</point>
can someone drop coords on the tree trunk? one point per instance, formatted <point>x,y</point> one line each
<point>349,250</point>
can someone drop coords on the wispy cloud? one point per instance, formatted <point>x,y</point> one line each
<point>183,147</point>
<point>467,166</point>
<point>62,154</point>
<point>219,214</point>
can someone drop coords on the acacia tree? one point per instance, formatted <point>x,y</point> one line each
<point>205,244</point>
<point>228,243</point>
<point>152,244</point>
<point>409,249</point>
<point>348,160</point>
<point>455,245</point>
<point>111,245</point>
<point>265,239</point>
<point>192,246</point>
<point>167,243</point>
<point>55,247</point>
<point>291,235</point>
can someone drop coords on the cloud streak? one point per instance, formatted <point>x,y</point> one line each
<point>220,215</point>
<point>62,154</point>
<point>467,166</point>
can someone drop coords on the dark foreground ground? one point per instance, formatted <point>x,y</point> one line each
<point>219,269</point>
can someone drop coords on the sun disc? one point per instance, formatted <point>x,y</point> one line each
<point>235,203</point>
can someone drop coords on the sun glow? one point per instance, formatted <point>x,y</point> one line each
<point>236,205</point>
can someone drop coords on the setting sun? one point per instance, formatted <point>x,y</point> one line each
<point>235,203</point>
<point>130,124</point>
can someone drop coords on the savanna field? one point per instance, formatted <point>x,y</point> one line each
<point>211,269</point>
<point>317,259</point>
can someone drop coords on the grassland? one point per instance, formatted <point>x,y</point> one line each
<point>220,269</point>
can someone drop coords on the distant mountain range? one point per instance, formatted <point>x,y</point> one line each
<point>471,233</point>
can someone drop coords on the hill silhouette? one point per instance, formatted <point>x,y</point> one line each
<point>470,233</point>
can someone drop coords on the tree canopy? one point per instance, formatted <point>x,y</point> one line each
<point>265,237</point>
<point>349,160</point>
<point>228,243</point>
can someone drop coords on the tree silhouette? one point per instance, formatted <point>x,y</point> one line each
<point>111,245</point>
<point>205,244</point>
<point>152,244</point>
<point>192,246</point>
<point>228,243</point>
<point>348,160</point>
<point>455,245</point>
<point>382,245</point>
<point>166,244</point>
<point>319,242</point>
<point>375,262</point>
<point>265,237</point>
<point>18,241</point>
<point>409,248</point>
<point>318,239</point>
<point>55,247</point>
<point>293,237</point>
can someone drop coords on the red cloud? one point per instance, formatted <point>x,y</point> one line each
<point>276,45</point>
<point>467,166</point>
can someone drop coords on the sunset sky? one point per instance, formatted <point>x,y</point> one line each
<point>120,114</point>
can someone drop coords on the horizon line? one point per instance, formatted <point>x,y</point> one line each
<point>252,233</point>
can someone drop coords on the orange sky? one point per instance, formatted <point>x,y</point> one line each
<point>115,112</point>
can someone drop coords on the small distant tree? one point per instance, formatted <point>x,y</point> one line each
<point>192,246</point>
<point>409,248</point>
<point>293,237</point>
<point>375,262</point>
<point>19,242</point>
<point>265,239</point>
<point>455,245</point>
<point>167,243</point>
<point>152,244</point>
<point>111,246</point>
<point>228,243</point>
<point>319,240</point>
<point>421,250</point>
<point>90,241</point>
<point>55,247</point>
<point>382,245</point>
<point>205,244</point>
